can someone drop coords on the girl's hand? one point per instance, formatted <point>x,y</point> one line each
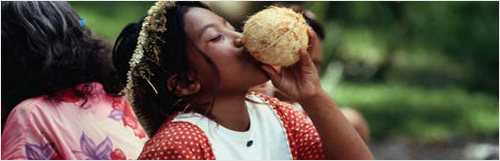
<point>301,80</point>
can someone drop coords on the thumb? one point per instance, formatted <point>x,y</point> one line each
<point>273,74</point>
<point>305,59</point>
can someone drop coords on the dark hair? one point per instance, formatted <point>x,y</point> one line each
<point>45,50</point>
<point>124,48</point>
<point>308,16</point>
<point>154,109</point>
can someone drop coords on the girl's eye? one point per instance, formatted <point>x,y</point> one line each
<point>216,39</point>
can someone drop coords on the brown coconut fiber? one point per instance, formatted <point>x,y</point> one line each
<point>274,36</point>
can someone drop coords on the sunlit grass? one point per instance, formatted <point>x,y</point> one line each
<point>428,114</point>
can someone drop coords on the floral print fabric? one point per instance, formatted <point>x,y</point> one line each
<point>103,128</point>
<point>42,152</point>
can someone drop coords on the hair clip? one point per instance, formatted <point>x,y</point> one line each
<point>82,22</point>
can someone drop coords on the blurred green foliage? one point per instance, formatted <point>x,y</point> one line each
<point>108,18</point>
<point>425,70</point>
<point>427,43</point>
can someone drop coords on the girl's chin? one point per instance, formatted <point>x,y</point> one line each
<point>258,75</point>
<point>262,77</point>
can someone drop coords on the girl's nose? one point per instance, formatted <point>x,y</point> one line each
<point>237,40</point>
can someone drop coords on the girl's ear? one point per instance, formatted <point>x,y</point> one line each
<point>190,87</point>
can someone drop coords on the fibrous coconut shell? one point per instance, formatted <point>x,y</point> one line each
<point>275,35</point>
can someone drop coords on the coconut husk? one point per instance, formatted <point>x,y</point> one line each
<point>275,35</point>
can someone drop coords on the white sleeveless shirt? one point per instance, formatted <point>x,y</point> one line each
<point>265,140</point>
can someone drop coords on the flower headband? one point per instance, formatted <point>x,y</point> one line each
<point>147,50</point>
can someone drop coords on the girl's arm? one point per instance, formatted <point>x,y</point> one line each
<point>301,82</point>
<point>340,139</point>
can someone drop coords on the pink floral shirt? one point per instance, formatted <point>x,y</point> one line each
<point>104,128</point>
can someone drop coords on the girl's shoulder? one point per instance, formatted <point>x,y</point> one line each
<point>303,137</point>
<point>178,140</point>
<point>180,131</point>
<point>285,110</point>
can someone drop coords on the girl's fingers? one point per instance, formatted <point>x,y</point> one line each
<point>273,74</point>
<point>304,57</point>
<point>312,38</point>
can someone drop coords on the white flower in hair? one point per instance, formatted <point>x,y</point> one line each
<point>146,50</point>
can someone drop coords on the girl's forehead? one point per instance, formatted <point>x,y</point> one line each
<point>199,14</point>
<point>196,18</point>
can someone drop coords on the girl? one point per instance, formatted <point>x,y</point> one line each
<point>189,79</point>
<point>60,89</point>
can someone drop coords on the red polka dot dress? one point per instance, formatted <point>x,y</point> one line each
<point>277,131</point>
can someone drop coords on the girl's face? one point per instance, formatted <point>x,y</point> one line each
<point>222,44</point>
<point>317,53</point>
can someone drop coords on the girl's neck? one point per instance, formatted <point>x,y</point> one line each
<point>231,112</point>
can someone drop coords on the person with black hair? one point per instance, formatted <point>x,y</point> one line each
<point>124,48</point>
<point>60,89</point>
<point>189,79</point>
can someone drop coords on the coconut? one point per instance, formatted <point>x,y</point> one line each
<point>274,36</point>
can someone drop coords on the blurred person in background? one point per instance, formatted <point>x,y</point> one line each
<point>60,90</point>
